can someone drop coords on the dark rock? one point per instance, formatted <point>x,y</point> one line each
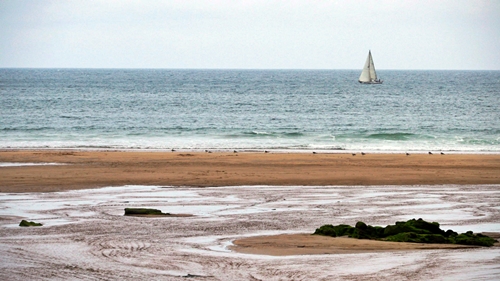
<point>144,211</point>
<point>26,223</point>
<point>450,233</point>
<point>361,225</point>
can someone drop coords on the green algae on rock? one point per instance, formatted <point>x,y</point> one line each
<point>25,223</point>
<point>416,231</point>
<point>144,212</point>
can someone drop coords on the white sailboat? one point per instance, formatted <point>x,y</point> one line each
<point>369,75</point>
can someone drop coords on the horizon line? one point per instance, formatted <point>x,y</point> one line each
<point>243,69</point>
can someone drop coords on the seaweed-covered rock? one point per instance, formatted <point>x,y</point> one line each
<point>144,212</point>
<point>417,226</point>
<point>26,223</point>
<point>364,231</point>
<point>361,225</point>
<point>335,231</point>
<point>416,231</point>
<point>469,238</point>
<point>418,238</point>
<point>450,233</point>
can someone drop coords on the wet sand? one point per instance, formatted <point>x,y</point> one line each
<point>91,169</point>
<point>85,235</point>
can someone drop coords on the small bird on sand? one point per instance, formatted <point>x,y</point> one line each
<point>235,151</point>
<point>354,154</point>
<point>430,153</point>
<point>362,153</point>
<point>314,152</point>
<point>266,151</point>
<point>407,154</point>
<point>442,153</point>
<point>173,150</point>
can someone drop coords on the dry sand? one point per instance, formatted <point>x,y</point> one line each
<point>307,244</point>
<point>87,169</point>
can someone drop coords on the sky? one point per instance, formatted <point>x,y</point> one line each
<point>260,34</point>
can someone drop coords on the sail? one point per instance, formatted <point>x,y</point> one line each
<point>369,75</point>
<point>365,74</point>
<point>373,74</point>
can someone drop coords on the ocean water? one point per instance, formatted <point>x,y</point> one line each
<point>282,110</point>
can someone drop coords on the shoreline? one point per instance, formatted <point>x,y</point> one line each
<point>94,169</point>
<point>252,150</point>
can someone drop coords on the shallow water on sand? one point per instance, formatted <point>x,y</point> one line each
<point>86,236</point>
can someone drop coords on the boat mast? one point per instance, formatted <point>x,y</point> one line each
<point>371,68</point>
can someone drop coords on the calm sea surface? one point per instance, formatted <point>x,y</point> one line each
<point>290,110</point>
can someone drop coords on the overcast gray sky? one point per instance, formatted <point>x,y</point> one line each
<point>261,34</point>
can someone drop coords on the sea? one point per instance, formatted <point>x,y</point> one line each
<point>250,110</point>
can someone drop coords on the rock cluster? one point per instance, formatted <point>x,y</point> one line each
<point>416,231</point>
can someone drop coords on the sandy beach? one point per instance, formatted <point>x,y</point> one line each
<point>92,169</point>
<point>285,194</point>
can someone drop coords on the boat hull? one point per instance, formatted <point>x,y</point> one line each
<point>371,82</point>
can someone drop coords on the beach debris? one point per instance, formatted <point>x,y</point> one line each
<point>26,223</point>
<point>415,231</point>
<point>144,212</point>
